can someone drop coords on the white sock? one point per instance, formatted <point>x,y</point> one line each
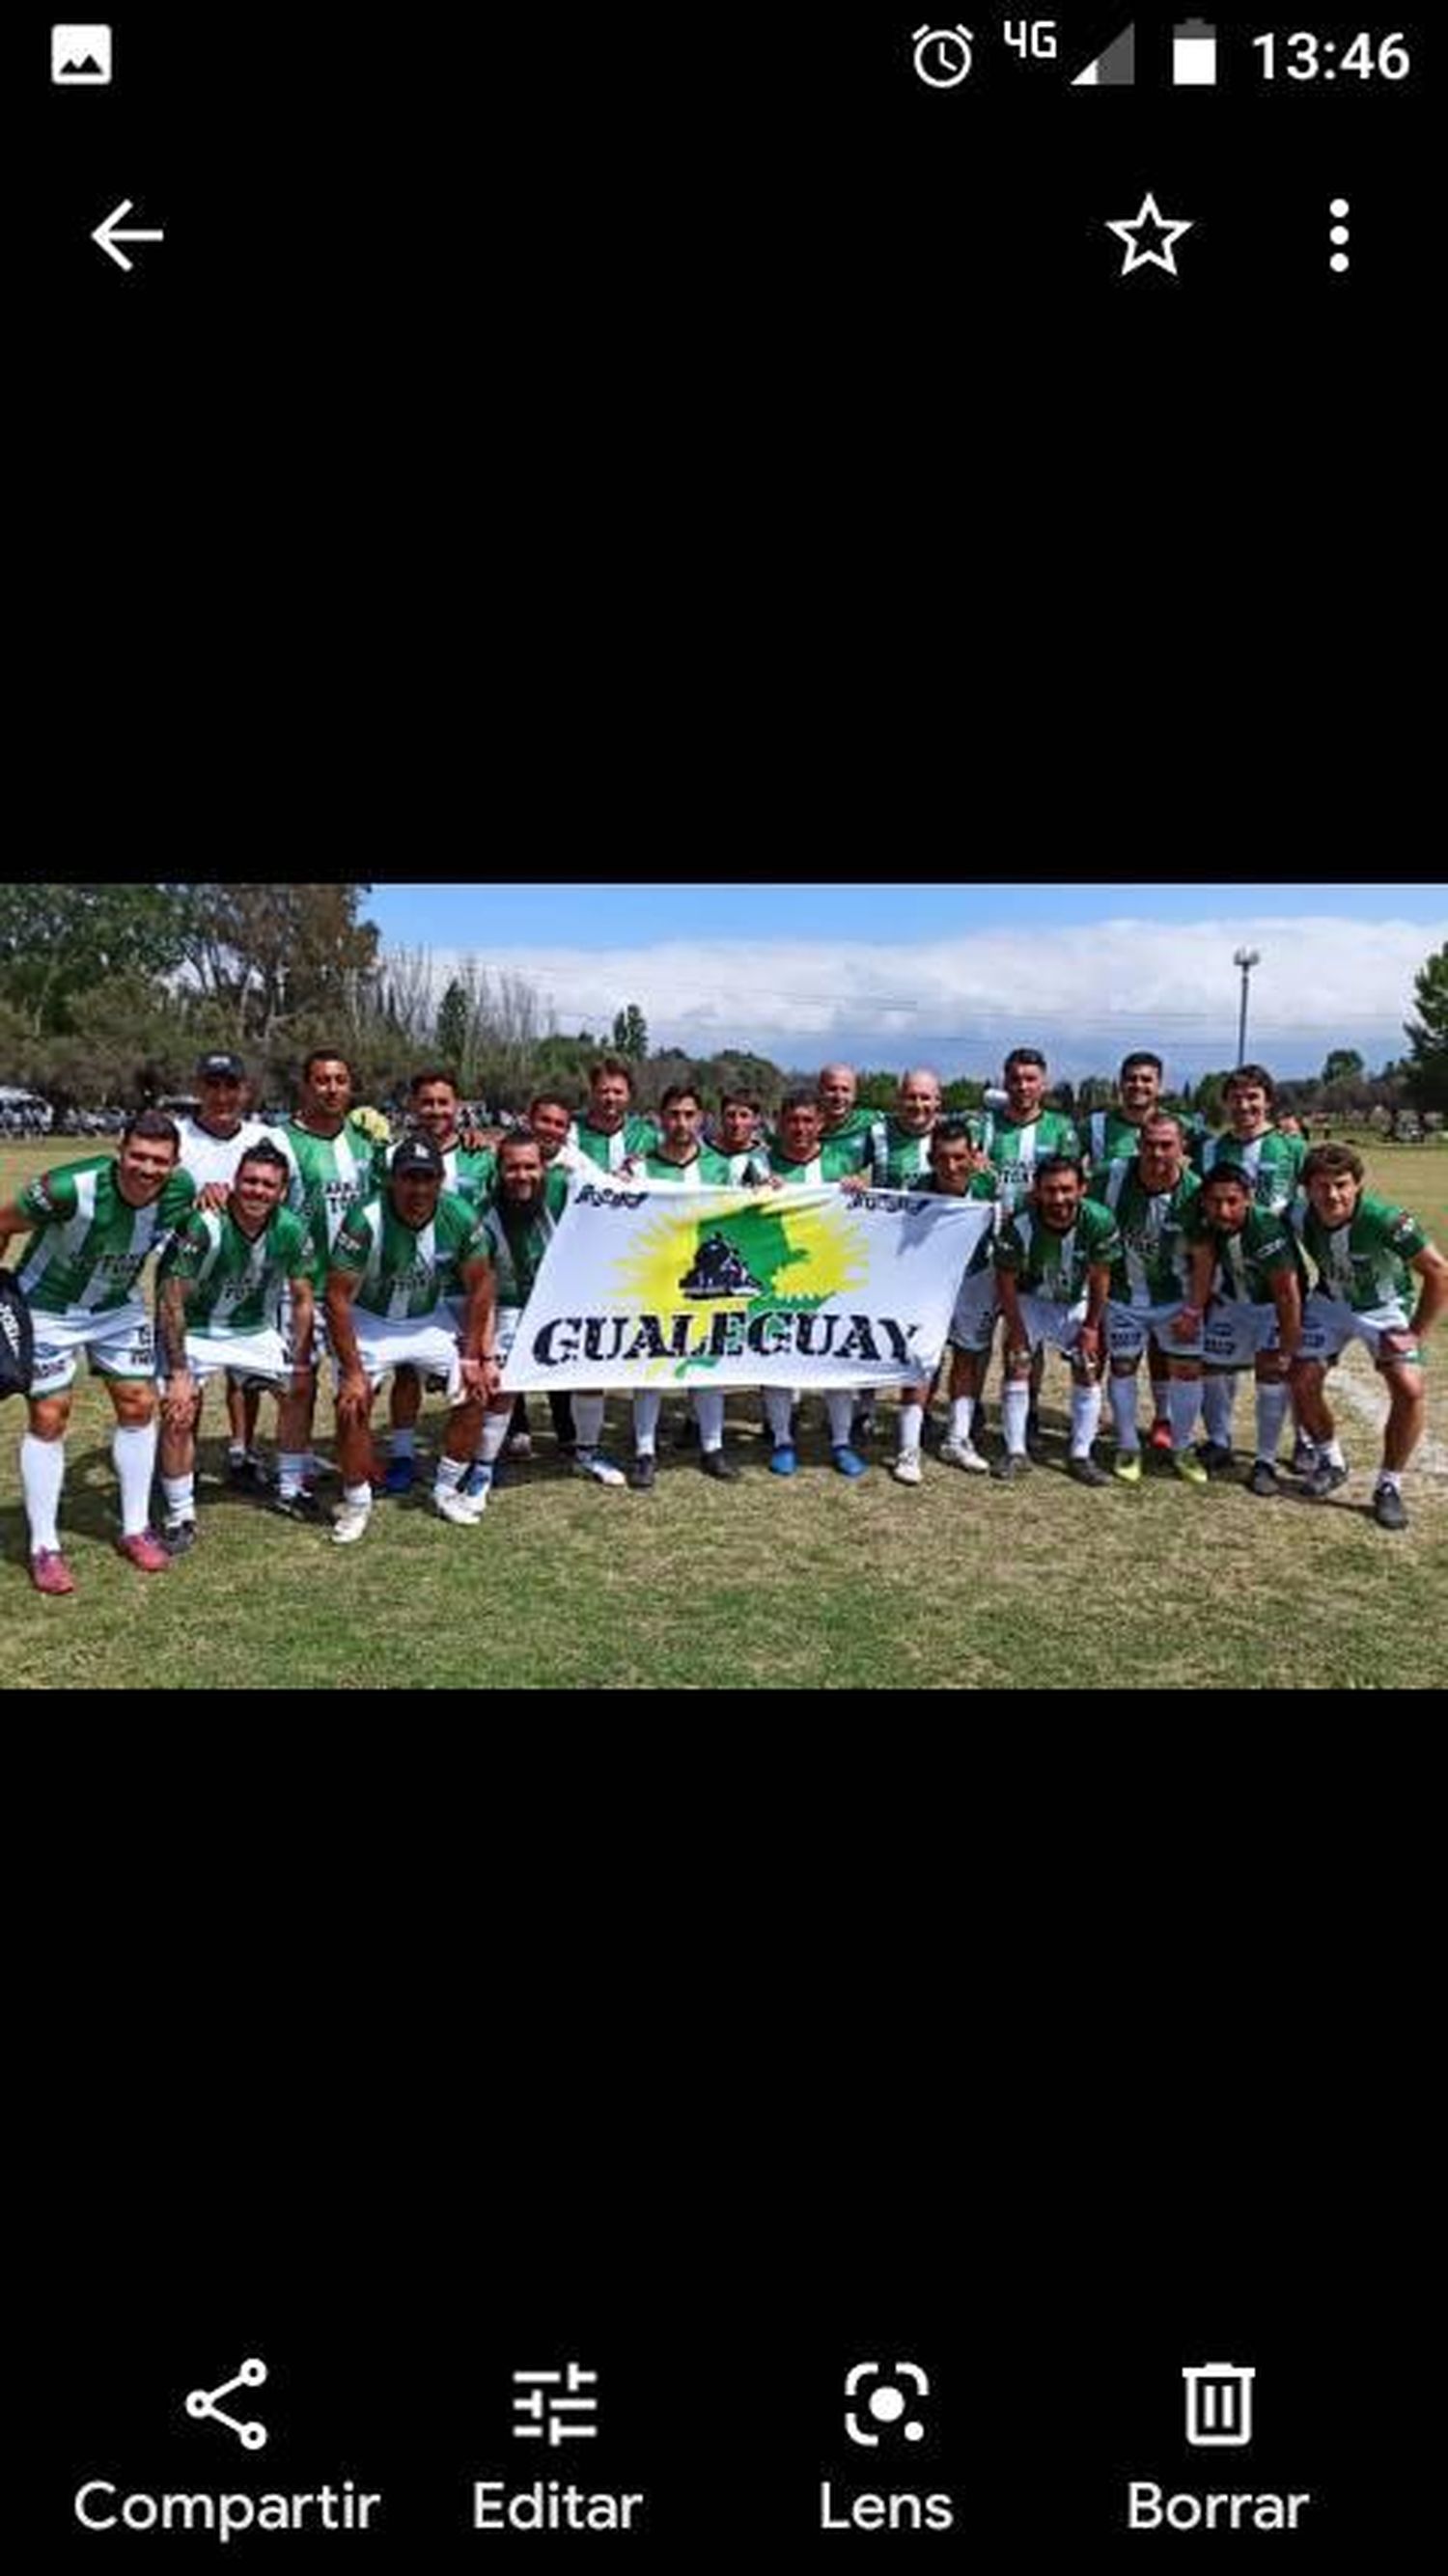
<point>290,1465</point>
<point>1392,1477</point>
<point>451,1471</point>
<point>777,1404</point>
<point>1123,1413</point>
<point>1271,1414</point>
<point>1015,1405</point>
<point>403,1442</point>
<point>587,1422</point>
<point>495,1431</point>
<point>648,1404</point>
<point>912,1423</point>
<point>1185,1396</point>
<point>180,1494</point>
<point>235,1451</point>
<point>709,1413</point>
<point>1160,1407</point>
<point>358,1498</point>
<point>1331,1450</point>
<point>1085,1418</point>
<point>962,1415</point>
<point>134,1452</point>
<point>42,1474</point>
<point>840,1406</point>
<point>1219,1397</point>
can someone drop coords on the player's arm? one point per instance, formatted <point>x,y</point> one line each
<point>1091,1336</point>
<point>13,1220</point>
<point>481,1370</point>
<point>304,1325</point>
<point>1200,1281</point>
<point>353,1392</point>
<point>1432,1269</point>
<point>172,1291</point>
<point>1007,1263</point>
<point>1287,1298</point>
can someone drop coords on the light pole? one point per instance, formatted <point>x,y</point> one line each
<point>1246,958</point>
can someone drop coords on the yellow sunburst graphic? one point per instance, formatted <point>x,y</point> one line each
<point>797,1256</point>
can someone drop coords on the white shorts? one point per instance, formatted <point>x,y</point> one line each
<point>119,1344</point>
<point>1047,1320</point>
<point>1127,1328</point>
<point>1329,1324</point>
<point>1235,1332</point>
<point>505,1324</point>
<point>255,1359</point>
<point>425,1342</point>
<point>973,1321</point>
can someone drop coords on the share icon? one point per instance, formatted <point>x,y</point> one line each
<point>204,2403</point>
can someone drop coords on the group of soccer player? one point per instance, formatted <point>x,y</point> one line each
<point>278,1247</point>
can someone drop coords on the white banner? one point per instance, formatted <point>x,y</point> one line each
<point>668,1286</point>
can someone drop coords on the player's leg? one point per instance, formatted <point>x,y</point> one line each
<point>647,1406</point>
<point>840,1403</point>
<point>709,1415</point>
<point>42,1480</point>
<point>1407,1414</point>
<point>561,1409</point>
<point>1219,1404</point>
<point>589,1459</point>
<point>1326,1330</point>
<point>913,1401</point>
<point>1016,1396</point>
<point>354,1457</point>
<point>177,1452</point>
<point>1125,1342</point>
<point>474,1434</point>
<point>404,1407</point>
<point>1035,1439</point>
<point>1272,1405</point>
<point>1160,1433</point>
<point>1086,1402</point>
<point>1184,1399</point>
<point>133,1449</point>
<point>779,1402</point>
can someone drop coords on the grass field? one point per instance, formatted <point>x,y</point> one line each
<point>960,1583</point>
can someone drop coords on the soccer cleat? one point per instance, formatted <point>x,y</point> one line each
<point>1263,1479</point>
<point>465,1510</point>
<point>144,1551</point>
<point>1127,1467</point>
<point>963,1453</point>
<point>480,1479</point>
<point>520,1445</point>
<point>1159,1436</point>
<point>1084,1471</point>
<point>1389,1509</point>
<point>1215,1457</point>
<point>1010,1469</point>
<point>783,1461</point>
<point>1304,1457</point>
<point>239,1470</point>
<point>1325,1479</point>
<point>401,1476</point>
<point>722,1469</point>
<point>300,1506</point>
<point>49,1571</point>
<point>1035,1437</point>
<point>350,1524</point>
<point>179,1537</point>
<point>643,1475</point>
<point>1189,1467</point>
<point>906,1470</point>
<point>591,1463</point>
<point>846,1463</point>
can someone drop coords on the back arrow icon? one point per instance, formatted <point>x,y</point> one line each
<point>108,237</point>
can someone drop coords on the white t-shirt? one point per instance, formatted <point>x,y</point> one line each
<point>215,1158</point>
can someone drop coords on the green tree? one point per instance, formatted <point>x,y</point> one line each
<point>453,1026</point>
<point>1343,1065</point>
<point>1427,1062</point>
<point>631,1034</point>
<point>963,1094</point>
<point>273,955</point>
<point>59,943</point>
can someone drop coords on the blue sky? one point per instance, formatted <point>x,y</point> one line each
<point>949,976</point>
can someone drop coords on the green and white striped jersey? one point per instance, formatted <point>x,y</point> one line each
<point>402,1273</point>
<point>1153,1267</point>
<point>467,1173</point>
<point>1047,1264</point>
<point>1108,1137</point>
<point>707,1170</point>
<point>1015,1151</point>
<point>1365,1264</point>
<point>515,1247</point>
<point>1248,1261</point>
<point>1272,1163</point>
<point>329,1175</point>
<point>837,1159</point>
<point>610,1153</point>
<point>237,1278</point>
<point>90,1245</point>
<point>895,1160</point>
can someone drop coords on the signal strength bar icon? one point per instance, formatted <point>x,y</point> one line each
<point>1115,67</point>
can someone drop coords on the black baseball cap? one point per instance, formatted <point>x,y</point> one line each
<point>218,1068</point>
<point>418,1154</point>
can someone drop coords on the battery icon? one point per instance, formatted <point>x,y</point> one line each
<point>1194,55</point>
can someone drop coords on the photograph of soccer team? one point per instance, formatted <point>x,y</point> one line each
<point>1171,1270</point>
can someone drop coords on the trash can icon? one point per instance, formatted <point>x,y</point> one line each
<point>1219,2405</point>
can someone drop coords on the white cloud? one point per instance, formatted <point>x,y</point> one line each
<point>1084,994</point>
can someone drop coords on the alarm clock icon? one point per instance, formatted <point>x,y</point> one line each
<point>943,56</point>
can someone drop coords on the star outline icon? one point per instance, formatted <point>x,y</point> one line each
<point>1164,255</point>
